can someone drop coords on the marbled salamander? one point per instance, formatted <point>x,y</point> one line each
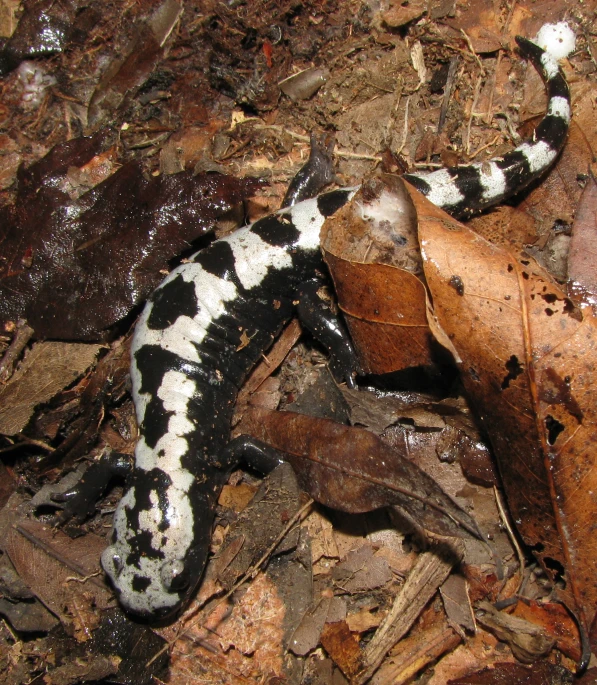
<point>205,327</point>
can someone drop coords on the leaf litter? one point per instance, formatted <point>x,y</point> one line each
<point>354,97</point>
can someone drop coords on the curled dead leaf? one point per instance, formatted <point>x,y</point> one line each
<point>350,469</point>
<point>370,247</point>
<point>583,245</point>
<point>528,356</point>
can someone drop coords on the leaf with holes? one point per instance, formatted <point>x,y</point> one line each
<point>528,357</point>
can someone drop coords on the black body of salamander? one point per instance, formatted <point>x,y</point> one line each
<point>206,326</point>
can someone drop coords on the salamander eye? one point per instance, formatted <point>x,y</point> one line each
<point>112,562</point>
<point>117,561</point>
<point>173,575</point>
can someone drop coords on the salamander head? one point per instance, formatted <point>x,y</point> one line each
<point>154,561</point>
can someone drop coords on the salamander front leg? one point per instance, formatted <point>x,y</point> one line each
<point>80,501</point>
<point>327,327</point>
<point>256,454</point>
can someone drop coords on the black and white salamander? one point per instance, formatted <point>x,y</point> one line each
<point>208,323</point>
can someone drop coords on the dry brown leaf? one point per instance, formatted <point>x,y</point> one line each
<point>236,497</point>
<point>63,573</point>
<point>343,646</point>
<point>306,637</point>
<point>556,622</point>
<point>237,644</point>
<point>482,25</point>
<point>361,571</point>
<point>400,14</point>
<point>583,245</point>
<point>48,368</point>
<point>350,469</point>
<point>370,247</point>
<point>385,310</point>
<point>323,542</point>
<point>528,360</point>
<point>457,604</point>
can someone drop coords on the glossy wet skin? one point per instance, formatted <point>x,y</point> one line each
<point>154,574</point>
<point>190,356</point>
<point>148,585</point>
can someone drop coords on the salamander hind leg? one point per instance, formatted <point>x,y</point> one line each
<point>252,452</point>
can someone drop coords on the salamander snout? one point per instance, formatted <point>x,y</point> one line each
<point>154,589</point>
<point>154,560</point>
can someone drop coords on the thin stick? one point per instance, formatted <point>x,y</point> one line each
<point>484,147</point>
<point>472,49</point>
<point>467,147</point>
<point>22,336</point>
<point>405,129</point>
<point>506,522</point>
<point>450,82</point>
